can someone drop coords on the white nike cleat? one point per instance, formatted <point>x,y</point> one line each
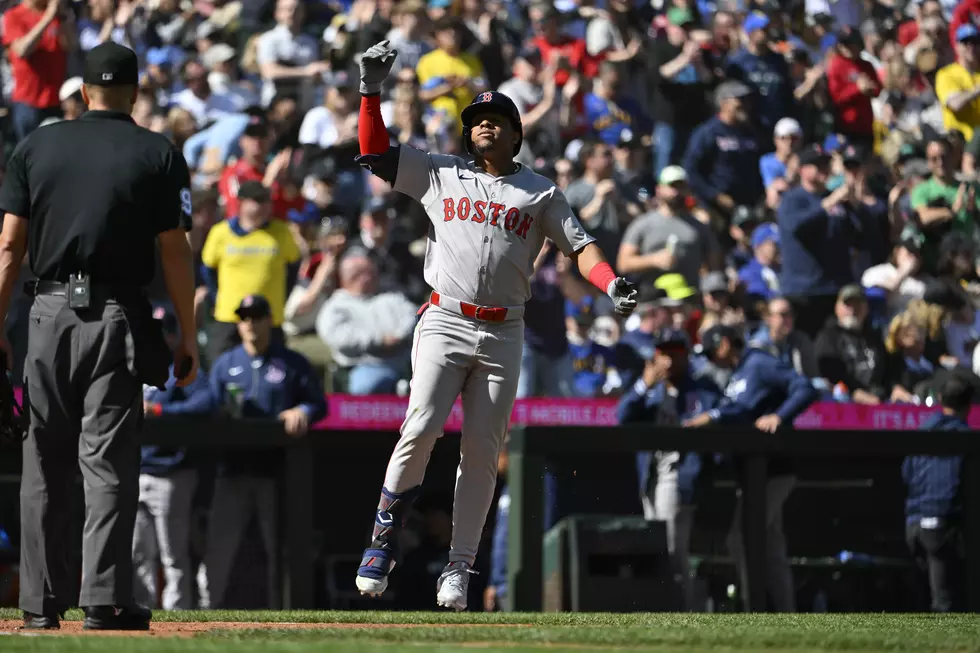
<point>373,587</point>
<point>453,585</point>
<point>372,575</point>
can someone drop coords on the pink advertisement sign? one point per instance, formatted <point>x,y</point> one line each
<point>385,413</point>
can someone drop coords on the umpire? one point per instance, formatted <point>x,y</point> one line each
<point>88,199</point>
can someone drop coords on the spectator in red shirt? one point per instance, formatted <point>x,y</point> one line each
<point>852,82</point>
<point>254,144</point>
<point>567,52</point>
<point>37,36</point>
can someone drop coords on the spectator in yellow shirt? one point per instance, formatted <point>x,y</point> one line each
<point>248,255</point>
<point>958,84</point>
<point>449,78</point>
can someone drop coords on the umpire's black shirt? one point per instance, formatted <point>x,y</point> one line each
<point>97,191</point>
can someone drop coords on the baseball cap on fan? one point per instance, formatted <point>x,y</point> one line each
<point>669,339</point>
<point>755,21</point>
<point>787,127</point>
<point>714,282</point>
<point>672,175</point>
<point>680,17</point>
<point>814,156</point>
<point>111,64</point>
<point>253,306</point>
<point>731,91</point>
<point>70,88</point>
<point>967,32</point>
<point>257,127</point>
<point>764,233</point>
<point>217,54</point>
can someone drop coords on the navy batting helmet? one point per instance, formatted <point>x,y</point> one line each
<point>497,103</point>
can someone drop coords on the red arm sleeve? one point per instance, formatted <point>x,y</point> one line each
<point>371,132</point>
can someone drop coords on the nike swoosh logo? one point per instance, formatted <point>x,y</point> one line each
<point>235,371</point>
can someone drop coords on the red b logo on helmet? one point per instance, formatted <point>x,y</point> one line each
<point>486,97</point>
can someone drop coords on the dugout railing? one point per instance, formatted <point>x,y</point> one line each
<point>531,448</point>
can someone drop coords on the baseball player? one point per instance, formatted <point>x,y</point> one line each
<point>488,221</point>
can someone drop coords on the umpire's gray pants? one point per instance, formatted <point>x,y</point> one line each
<point>86,411</point>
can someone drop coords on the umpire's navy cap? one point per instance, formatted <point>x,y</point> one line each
<point>253,306</point>
<point>111,64</point>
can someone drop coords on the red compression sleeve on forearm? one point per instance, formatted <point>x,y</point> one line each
<point>371,132</point>
<point>601,275</point>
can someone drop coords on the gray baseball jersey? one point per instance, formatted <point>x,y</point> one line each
<point>485,231</point>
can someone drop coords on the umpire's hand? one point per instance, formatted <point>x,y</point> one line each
<point>186,360</point>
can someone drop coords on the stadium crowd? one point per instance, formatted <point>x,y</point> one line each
<point>798,176</point>
<point>802,172</point>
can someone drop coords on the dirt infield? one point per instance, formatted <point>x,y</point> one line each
<point>190,628</point>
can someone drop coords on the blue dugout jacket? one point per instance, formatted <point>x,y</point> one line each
<point>195,399</point>
<point>933,481</point>
<point>654,406</point>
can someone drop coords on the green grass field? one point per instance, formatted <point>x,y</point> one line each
<point>382,632</point>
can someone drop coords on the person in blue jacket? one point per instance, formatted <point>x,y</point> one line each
<point>168,480</point>
<point>722,157</point>
<point>764,71</point>
<point>663,395</point>
<point>765,393</point>
<point>933,507</point>
<point>817,231</point>
<point>259,378</point>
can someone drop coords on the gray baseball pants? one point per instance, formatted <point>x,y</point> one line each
<point>662,502</point>
<point>453,355</point>
<point>86,409</point>
<point>163,535</point>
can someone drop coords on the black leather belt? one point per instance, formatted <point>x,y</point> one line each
<point>35,288</point>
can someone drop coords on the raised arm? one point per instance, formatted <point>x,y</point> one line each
<point>377,155</point>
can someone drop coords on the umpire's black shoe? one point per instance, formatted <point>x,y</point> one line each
<point>107,617</point>
<point>41,621</point>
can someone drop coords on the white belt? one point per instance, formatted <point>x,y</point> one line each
<point>482,313</point>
